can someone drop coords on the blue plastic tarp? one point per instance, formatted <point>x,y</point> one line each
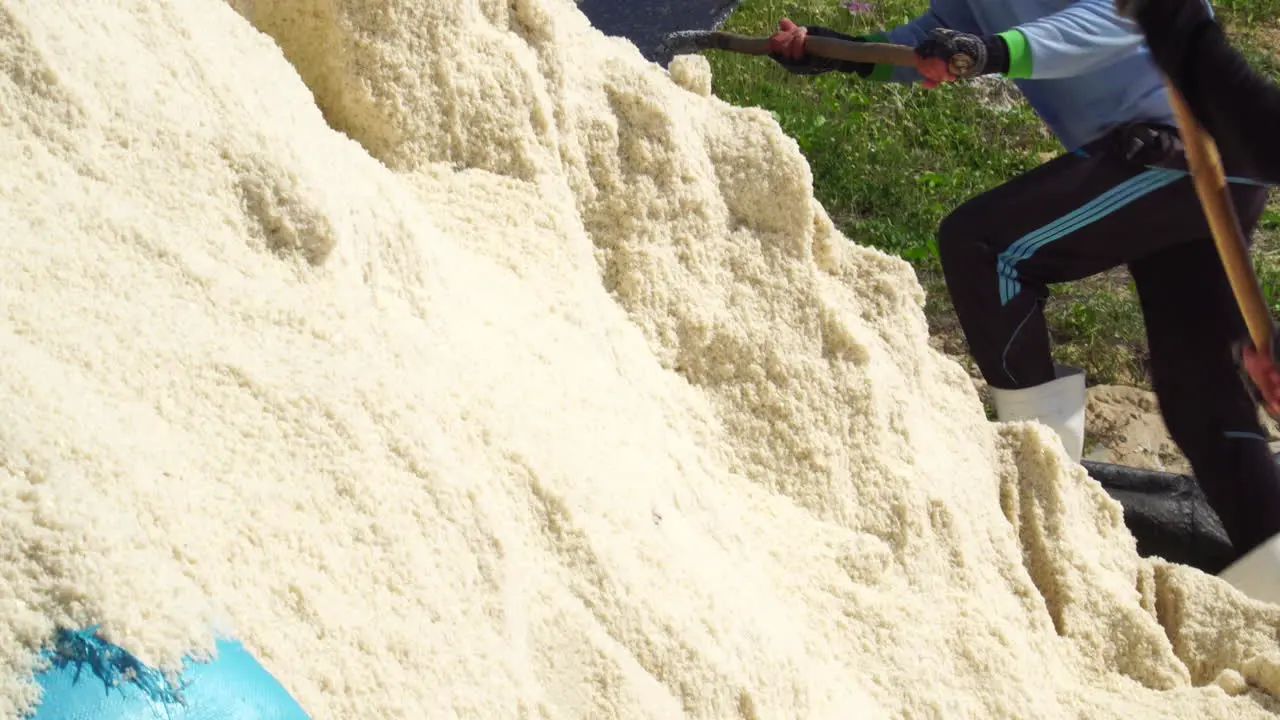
<point>91,679</point>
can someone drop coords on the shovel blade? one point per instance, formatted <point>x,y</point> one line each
<point>688,42</point>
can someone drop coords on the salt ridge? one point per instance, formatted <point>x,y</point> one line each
<point>541,386</point>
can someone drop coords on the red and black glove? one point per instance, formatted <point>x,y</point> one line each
<point>1260,374</point>
<point>786,47</point>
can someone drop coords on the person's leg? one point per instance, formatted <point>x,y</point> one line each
<point>1071,218</point>
<point>998,258</point>
<point>1192,320</point>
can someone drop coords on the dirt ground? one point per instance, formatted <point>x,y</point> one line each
<point>1126,428</point>
<point>1122,424</point>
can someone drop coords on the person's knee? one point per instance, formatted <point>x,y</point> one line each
<point>959,236</point>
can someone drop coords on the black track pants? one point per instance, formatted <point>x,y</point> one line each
<point>1125,199</point>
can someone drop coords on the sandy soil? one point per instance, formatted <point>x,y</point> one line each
<point>1125,426</point>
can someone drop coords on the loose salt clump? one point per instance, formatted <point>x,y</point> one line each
<point>691,72</point>
<point>1231,682</point>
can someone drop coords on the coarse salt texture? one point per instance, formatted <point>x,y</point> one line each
<point>461,362</point>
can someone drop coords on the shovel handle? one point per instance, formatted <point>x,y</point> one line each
<point>1215,197</point>
<point>833,48</point>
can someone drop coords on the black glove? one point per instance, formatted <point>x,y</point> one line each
<point>967,56</point>
<point>815,65</point>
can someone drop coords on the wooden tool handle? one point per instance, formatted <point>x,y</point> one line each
<point>863,52</point>
<point>1215,197</point>
<point>833,48</point>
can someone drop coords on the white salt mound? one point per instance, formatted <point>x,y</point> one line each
<point>461,362</point>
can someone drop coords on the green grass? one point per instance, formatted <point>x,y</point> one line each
<point>1246,13</point>
<point>890,161</point>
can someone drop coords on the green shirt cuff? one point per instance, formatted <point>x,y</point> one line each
<point>1019,53</point>
<point>880,72</point>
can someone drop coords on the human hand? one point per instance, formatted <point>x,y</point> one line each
<point>934,70</point>
<point>947,55</point>
<point>788,42</point>
<point>789,48</point>
<point>1265,375</point>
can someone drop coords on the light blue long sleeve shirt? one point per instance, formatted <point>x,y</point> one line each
<point>1083,68</point>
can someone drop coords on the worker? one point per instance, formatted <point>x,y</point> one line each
<point>1120,194</point>
<point>1240,110</point>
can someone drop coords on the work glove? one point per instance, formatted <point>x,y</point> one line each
<point>1145,144</point>
<point>1260,374</point>
<point>947,55</point>
<point>786,47</point>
